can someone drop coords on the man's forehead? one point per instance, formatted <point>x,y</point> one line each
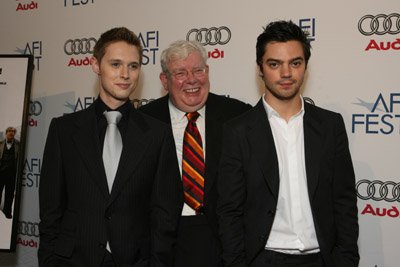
<point>182,64</point>
<point>291,48</point>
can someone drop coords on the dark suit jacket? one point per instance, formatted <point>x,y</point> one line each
<point>79,215</point>
<point>219,109</point>
<point>248,184</point>
<point>16,149</point>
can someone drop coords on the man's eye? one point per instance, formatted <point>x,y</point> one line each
<point>180,74</point>
<point>198,72</point>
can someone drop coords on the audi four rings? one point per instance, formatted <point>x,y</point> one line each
<point>378,190</point>
<point>79,46</point>
<point>211,36</point>
<point>35,108</point>
<point>140,102</point>
<point>380,24</point>
<point>28,228</point>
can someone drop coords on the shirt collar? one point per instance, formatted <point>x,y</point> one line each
<point>178,115</point>
<point>100,107</point>
<point>270,111</point>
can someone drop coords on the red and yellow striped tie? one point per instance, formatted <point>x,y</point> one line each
<point>193,164</point>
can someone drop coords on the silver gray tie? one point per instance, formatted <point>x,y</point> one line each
<point>112,146</point>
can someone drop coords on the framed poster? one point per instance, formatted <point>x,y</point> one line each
<point>15,86</point>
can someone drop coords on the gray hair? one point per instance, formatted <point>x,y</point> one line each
<point>10,129</point>
<point>180,50</point>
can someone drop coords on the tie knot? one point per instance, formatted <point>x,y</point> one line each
<point>112,117</point>
<point>192,116</point>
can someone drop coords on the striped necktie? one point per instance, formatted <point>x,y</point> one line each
<point>193,164</point>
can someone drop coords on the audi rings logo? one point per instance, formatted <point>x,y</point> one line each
<point>378,190</point>
<point>35,108</point>
<point>379,24</point>
<point>28,228</point>
<point>79,46</point>
<point>211,36</point>
<point>309,100</point>
<point>137,103</point>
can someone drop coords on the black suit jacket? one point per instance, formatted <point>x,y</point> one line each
<point>219,109</point>
<point>248,184</point>
<point>79,215</point>
<point>16,149</point>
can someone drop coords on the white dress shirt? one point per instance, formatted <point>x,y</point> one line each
<point>293,230</point>
<point>9,145</point>
<point>179,122</point>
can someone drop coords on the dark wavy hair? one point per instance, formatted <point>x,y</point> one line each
<point>282,31</point>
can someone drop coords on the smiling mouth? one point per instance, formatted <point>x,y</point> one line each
<point>192,90</point>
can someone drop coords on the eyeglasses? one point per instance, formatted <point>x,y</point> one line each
<point>183,74</point>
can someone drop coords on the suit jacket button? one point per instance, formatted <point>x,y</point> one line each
<point>102,246</point>
<point>262,238</point>
<point>108,216</point>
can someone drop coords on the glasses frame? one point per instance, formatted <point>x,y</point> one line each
<point>183,75</point>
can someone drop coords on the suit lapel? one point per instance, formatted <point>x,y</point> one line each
<point>263,147</point>
<point>135,145</point>
<point>2,144</point>
<point>87,144</point>
<point>163,110</point>
<point>313,144</point>
<point>16,147</point>
<point>213,129</point>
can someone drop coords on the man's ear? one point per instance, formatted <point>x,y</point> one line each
<point>95,65</point>
<point>164,80</point>
<point>260,73</point>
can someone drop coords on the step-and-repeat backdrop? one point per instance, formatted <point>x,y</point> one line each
<point>354,69</point>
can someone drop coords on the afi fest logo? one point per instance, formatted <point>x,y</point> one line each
<point>382,115</point>
<point>379,25</point>
<point>308,25</point>
<point>77,3</point>
<point>35,49</point>
<point>150,41</point>
<point>80,104</point>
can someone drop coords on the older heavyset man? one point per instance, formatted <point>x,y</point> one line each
<point>196,117</point>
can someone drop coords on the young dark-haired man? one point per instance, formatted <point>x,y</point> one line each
<point>286,179</point>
